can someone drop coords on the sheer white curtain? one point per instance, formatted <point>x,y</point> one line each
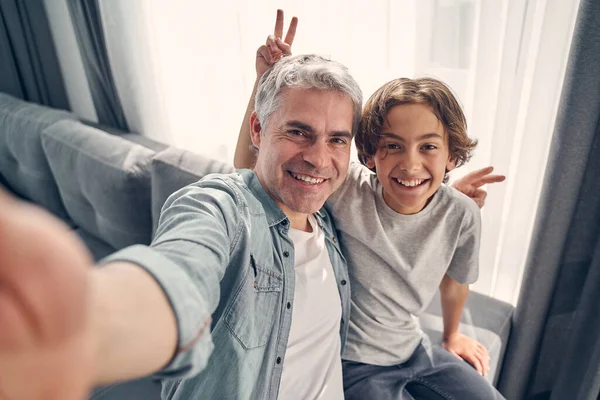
<point>184,71</point>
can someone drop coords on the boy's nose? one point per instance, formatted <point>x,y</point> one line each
<point>410,162</point>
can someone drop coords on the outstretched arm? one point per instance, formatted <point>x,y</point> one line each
<point>471,184</point>
<point>266,55</point>
<point>65,326</point>
<point>454,295</point>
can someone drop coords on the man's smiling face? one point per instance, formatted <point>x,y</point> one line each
<point>304,152</point>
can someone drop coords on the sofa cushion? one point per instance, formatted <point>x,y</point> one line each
<point>484,319</point>
<point>23,166</point>
<point>103,180</point>
<point>132,137</point>
<point>173,169</point>
<point>96,247</point>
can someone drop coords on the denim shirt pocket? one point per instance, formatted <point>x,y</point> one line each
<point>255,306</point>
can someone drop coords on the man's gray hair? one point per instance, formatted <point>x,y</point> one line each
<point>305,72</point>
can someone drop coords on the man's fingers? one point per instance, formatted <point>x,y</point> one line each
<point>278,32</point>
<point>11,315</point>
<point>291,33</point>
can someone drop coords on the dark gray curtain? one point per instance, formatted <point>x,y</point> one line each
<point>29,67</point>
<point>554,349</point>
<point>87,22</point>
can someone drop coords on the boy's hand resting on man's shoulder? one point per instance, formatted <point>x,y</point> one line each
<point>469,350</point>
<point>471,184</point>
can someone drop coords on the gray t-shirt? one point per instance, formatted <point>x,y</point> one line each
<point>396,262</point>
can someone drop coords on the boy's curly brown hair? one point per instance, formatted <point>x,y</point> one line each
<point>430,91</point>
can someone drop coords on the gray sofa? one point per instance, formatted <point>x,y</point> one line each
<point>109,187</point>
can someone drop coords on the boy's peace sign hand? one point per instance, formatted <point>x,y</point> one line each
<point>46,346</point>
<point>275,47</point>
<point>471,184</point>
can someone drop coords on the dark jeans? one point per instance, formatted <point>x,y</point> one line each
<point>430,373</point>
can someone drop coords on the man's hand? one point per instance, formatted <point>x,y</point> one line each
<point>275,47</point>
<point>469,350</point>
<point>471,184</point>
<point>46,348</point>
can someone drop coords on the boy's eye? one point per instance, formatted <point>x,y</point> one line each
<point>391,146</point>
<point>429,147</point>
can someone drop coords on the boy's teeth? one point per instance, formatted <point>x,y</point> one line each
<point>307,179</point>
<point>410,183</point>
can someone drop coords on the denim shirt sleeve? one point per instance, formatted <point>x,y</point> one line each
<point>198,228</point>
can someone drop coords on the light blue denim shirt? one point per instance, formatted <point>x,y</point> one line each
<point>222,249</point>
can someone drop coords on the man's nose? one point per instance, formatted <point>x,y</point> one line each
<point>318,154</point>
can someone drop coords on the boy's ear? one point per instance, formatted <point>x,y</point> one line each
<point>370,162</point>
<point>255,130</point>
<point>451,164</point>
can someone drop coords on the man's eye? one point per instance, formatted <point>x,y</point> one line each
<point>339,141</point>
<point>295,132</point>
<point>429,147</point>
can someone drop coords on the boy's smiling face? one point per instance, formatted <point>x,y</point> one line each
<point>412,157</point>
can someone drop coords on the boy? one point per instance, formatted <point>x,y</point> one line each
<point>404,234</point>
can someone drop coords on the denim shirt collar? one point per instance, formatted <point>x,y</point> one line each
<point>272,210</point>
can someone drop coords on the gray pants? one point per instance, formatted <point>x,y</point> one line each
<point>431,373</point>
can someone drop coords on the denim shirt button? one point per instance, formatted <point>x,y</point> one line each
<point>334,239</point>
<point>343,282</point>
<point>286,254</point>
<point>278,360</point>
<point>289,305</point>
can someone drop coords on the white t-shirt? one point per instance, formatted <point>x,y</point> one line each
<point>312,367</point>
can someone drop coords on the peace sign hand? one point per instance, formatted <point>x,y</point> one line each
<point>471,184</point>
<point>275,48</point>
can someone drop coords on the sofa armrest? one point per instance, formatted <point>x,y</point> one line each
<point>485,319</point>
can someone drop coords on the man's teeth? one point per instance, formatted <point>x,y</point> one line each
<point>410,183</point>
<point>307,179</point>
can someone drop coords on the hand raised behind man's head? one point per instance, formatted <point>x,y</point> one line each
<point>276,46</point>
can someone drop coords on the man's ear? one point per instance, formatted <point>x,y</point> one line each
<point>255,130</point>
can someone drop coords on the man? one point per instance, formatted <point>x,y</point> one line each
<point>225,247</point>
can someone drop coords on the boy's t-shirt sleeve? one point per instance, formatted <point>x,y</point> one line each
<point>464,267</point>
<point>357,180</point>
